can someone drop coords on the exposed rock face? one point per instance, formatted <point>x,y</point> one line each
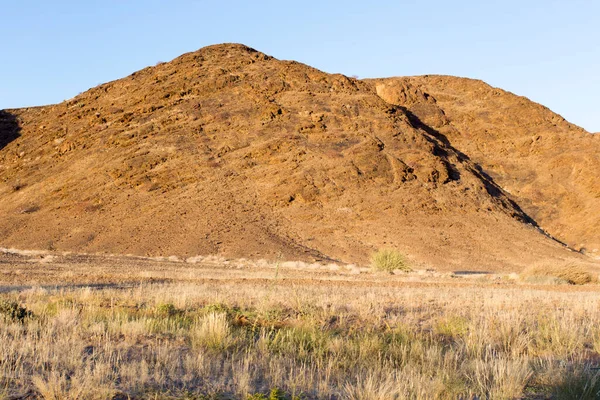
<point>227,150</point>
<point>549,166</point>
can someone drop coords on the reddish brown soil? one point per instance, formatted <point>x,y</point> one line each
<point>229,151</point>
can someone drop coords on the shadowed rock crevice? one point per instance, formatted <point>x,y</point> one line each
<point>491,186</point>
<point>538,160</point>
<point>9,128</point>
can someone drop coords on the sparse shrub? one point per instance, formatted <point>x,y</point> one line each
<point>275,394</point>
<point>581,382</point>
<point>166,309</point>
<point>389,260</point>
<point>256,396</point>
<point>12,311</point>
<point>557,274</point>
<point>219,308</point>
<point>452,327</point>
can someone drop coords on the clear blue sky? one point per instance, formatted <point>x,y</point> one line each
<point>546,50</point>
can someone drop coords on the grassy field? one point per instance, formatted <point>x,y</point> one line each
<point>126,328</point>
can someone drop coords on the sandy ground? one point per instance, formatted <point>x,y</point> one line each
<point>21,270</point>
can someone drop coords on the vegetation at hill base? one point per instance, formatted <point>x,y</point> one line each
<point>281,341</point>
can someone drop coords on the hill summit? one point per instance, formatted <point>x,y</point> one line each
<point>230,151</point>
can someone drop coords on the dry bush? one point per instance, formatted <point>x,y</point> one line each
<point>558,274</point>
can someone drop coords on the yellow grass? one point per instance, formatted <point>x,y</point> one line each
<point>336,336</point>
<point>555,274</point>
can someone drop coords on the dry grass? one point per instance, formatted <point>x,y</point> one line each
<point>335,336</point>
<point>213,331</point>
<point>318,342</point>
<point>559,274</point>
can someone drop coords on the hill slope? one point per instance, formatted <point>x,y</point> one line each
<point>227,150</point>
<point>549,166</point>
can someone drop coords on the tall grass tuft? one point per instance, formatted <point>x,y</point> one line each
<point>212,331</point>
<point>371,387</point>
<point>500,377</point>
<point>580,382</point>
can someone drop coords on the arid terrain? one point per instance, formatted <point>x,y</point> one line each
<point>229,151</point>
<point>99,327</point>
<point>547,165</point>
<point>228,225</point>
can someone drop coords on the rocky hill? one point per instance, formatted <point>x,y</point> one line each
<point>549,166</point>
<point>230,151</point>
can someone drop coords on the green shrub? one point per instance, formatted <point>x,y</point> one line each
<point>452,326</point>
<point>166,309</point>
<point>12,311</point>
<point>276,394</point>
<point>389,260</point>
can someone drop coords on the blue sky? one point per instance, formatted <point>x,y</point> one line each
<point>546,50</point>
